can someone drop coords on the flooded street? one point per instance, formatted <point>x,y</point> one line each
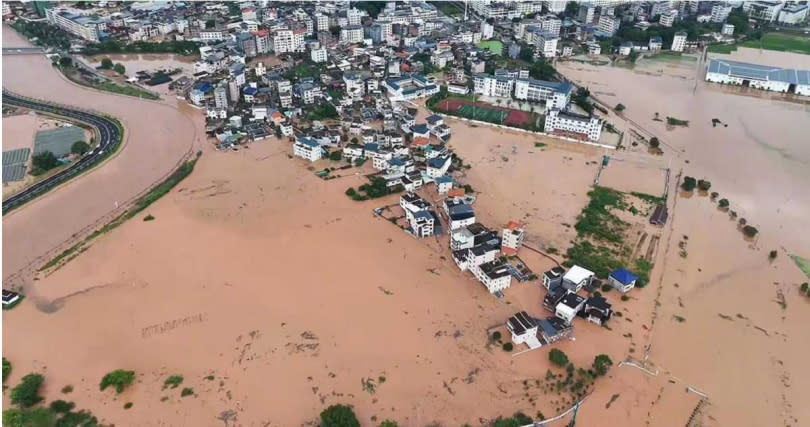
<point>158,135</point>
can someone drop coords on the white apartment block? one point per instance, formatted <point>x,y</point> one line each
<point>308,148</point>
<point>728,30</point>
<point>678,42</point>
<point>319,55</point>
<point>608,24</point>
<point>555,95</point>
<point>720,12</point>
<point>211,35</point>
<point>288,41</point>
<point>513,235</point>
<point>555,6</point>
<point>489,85</point>
<point>6,8</point>
<point>667,19</point>
<point>321,22</point>
<point>410,87</point>
<point>763,10</point>
<point>575,125</point>
<point>794,14</point>
<point>354,16</point>
<point>78,25</point>
<point>494,275</point>
<point>351,34</point>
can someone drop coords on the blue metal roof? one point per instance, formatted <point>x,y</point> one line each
<point>623,276</point>
<point>759,72</point>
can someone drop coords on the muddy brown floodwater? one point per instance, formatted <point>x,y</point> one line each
<point>158,135</point>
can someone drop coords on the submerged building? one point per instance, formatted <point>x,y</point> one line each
<point>763,77</point>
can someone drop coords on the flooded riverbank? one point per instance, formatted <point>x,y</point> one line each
<point>158,135</point>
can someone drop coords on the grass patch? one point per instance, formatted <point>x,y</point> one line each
<point>67,389</point>
<point>209,378</point>
<point>723,48</point>
<point>656,200</point>
<point>781,42</point>
<point>188,391</point>
<point>375,189</point>
<point>597,221</point>
<point>539,145</point>
<point>66,253</point>
<point>119,378</point>
<point>127,405</point>
<point>6,369</point>
<point>802,263</point>
<point>148,218</point>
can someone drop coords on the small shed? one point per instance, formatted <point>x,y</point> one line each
<point>622,280</point>
<point>660,215</point>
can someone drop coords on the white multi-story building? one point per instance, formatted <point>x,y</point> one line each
<point>555,95</point>
<point>575,125</point>
<point>488,85</point>
<point>720,12</point>
<point>763,10</point>
<point>586,13</point>
<point>308,148</point>
<point>6,8</point>
<point>678,42</point>
<point>487,30</point>
<point>321,22</point>
<point>319,55</point>
<point>221,96</point>
<point>355,86</point>
<point>793,14</point>
<point>211,35</point>
<point>354,16</point>
<point>262,41</point>
<point>351,34</point>
<point>494,275</point>
<point>608,24</point>
<point>728,30</point>
<point>759,76</point>
<point>82,26</point>
<point>555,6</point>
<point>512,237</point>
<point>289,41</point>
<point>667,19</point>
<point>547,44</point>
<point>659,8</point>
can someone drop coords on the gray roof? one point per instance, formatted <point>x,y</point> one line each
<point>59,140</point>
<point>759,72</point>
<point>12,157</point>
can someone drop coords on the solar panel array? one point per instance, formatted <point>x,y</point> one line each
<point>14,164</point>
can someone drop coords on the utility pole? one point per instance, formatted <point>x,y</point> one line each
<point>465,9</point>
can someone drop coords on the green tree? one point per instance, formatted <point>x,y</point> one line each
<point>61,407</point>
<point>654,142</point>
<point>106,63</point>
<point>339,416</point>
<point>620,107</point>
<point>6,369</point>
<point>79,147</point>
<point>805,288</point>
<point>517,420</point>
<point>36,417</point>
<point>750,231</point>
<point>65,61</point>
<point>704,185</point>
<point>557,357</point>
<point>26,394</point>
<point>335,155</point>
<point>571,9</point>
<point>723,203</point>
<point>772,255</point>
<point>601,364</point>
<point>389,423</point>
<point>209,24</point>
<point>689,183</point>
<point>44,161</point>
<point>526,54</point>
<point>119,378</point>
<point>120,69</point>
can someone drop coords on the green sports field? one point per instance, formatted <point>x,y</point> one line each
<point>782,42</point>
<point>483,114</point>
<point>493,46</point>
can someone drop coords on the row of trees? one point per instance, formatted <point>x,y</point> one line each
<point>113,46</point>
<point>46,34</point>
<point>107,64</point>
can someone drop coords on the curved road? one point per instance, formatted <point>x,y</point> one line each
<point>109,140</point>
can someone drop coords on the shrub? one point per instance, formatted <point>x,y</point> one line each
<point>704,185</point>
<point>607,288</point>
<point>119,68</point>
<point>742,222</point>
<point>188,391</point>
<point>689,183</point>
<point>106,63</point>
<point>26,394</point>
<point>723,203</point>
<point>29,417</point>
<point>772,255</point>
<point>468,189</point>
<point>625,298</point>
<point>61,406</point>
<point>805,288</point>
<point>173,381</point>
<point>335,156</point>
<point>601,364</point>
<point>339,416</point>
<point>389,423</point>
<point>119,378</point>
<point>67,389</point>
<point>507,346</point>
<point>750,231</point>
<point>654,142</point>
<point>619,108</point>
<point>517,420</point>
<point>79,147</point>
<point>127,405</point>
<point>496,336</point>
<point>557,357</point>
<point>715,195</point>
<point>149,218</point>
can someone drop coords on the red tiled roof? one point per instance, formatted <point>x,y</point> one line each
<point>456,192</point>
